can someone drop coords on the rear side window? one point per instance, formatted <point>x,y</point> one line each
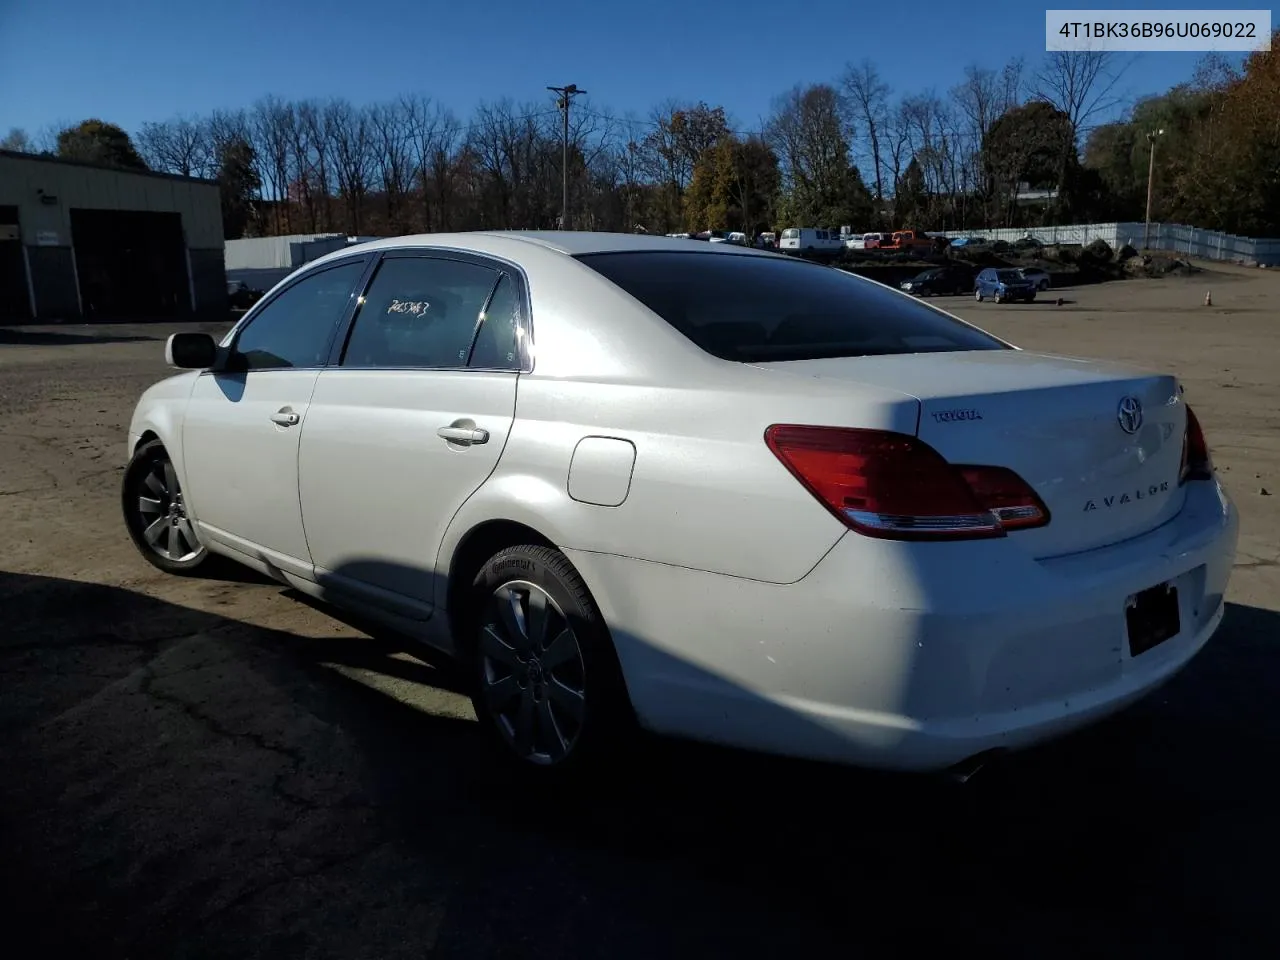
<point>419,312</point>
<point>497,345</point>
<point>757,309</point>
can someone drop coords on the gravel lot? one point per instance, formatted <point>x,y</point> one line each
<point>219,769</point>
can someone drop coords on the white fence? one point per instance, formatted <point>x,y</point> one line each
<point>264,253</point>
<point>262,262</point>
<point>1172,237</point>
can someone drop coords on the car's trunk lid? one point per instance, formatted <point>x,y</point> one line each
<point>1062,424</point>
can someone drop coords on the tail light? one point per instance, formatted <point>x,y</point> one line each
<point>895,486</point>
<point>1196,464</point>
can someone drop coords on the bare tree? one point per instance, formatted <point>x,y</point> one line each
<point>351,138</point>
<point>899,135</point>
<point>978,99</point>
<point>433,135</point>
<point>225,126</point>
<point>630,165</point>
<point>1080,83</point>
<point>17,141</point>
<point>1013,83</point>
<point>868,99</point>
<point>271,134</point>
<point>180,146</point>
<point>46,138</point>
<point>593,139</point>
<point>302,151</point>
<point>518,159</point>
<point>925,118</point>
<point>395,162</point>
<point>317,166</point>
<point>982,98</point>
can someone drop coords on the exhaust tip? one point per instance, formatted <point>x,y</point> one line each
<point>967,769</point>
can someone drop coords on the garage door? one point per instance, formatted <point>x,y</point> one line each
<point>132,264</point>
<point>15,303</point>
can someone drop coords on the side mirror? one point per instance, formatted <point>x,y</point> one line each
<point>191,351</point>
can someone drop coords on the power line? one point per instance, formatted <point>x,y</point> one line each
<point>952,136</point>
<point>521,118</point>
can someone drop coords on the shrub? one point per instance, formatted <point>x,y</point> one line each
<point>1099,251</point>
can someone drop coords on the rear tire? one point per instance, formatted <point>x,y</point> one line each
<point>156,515</point>
<point>546,683</point>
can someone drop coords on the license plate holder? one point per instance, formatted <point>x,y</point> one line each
<point>1152,617</point>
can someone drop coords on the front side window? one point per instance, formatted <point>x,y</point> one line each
<point>758,309</point>
<point>419,312</point>
<point>293,330</point>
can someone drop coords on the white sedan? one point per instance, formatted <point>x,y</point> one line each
<point>711,492</point>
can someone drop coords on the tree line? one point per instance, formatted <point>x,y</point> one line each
<point>833,153</point>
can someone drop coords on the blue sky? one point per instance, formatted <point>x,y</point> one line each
<point>128,61</point>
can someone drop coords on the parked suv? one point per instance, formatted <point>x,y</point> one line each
<point>1003,285</point>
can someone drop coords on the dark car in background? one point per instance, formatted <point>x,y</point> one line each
<point>939,280</point>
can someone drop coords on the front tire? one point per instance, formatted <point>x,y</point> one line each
<point>547,685</point>
<point>156,514</point>
<point>977,295</point>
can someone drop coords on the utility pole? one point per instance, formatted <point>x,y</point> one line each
<point>1151,175</point>
<point>566,95</point>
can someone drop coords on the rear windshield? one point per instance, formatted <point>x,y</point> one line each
<point>790,234</point>
<point>756,309</point>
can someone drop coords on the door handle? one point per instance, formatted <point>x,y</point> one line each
<point>463,435</point>
<point>285,418</point>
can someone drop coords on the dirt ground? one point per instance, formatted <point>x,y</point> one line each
<point>215,768</point>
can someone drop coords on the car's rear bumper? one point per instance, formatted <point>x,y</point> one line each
<point>911,655</point>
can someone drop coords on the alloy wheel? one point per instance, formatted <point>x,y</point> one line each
<point>162,515</point>
<point>532,673</point>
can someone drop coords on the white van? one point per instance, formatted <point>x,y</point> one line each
<point>810,240</point>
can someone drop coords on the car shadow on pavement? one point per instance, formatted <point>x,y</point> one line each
<point>29,337</point>
<point>178,783</point>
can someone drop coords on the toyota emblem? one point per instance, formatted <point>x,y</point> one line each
<point>1129,414</point>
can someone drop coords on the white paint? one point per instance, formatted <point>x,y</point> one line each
<point>600,471</point>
